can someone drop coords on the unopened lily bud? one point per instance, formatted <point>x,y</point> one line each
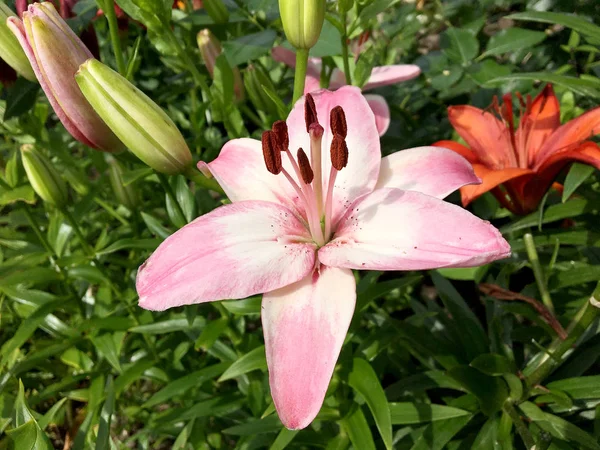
<point>216,10</point>
<point>302,21</point>
<point>139,122</point>
<point>126,194</point>
<point>10,49</point>
<point>44,178</point>
<point>254,80</point>
<point>210,49</point>
<point>55,53</point>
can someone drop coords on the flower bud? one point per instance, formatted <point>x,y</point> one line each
<point>254,80</point>
<point>44,178</point>
<point>139,122</point>
<point>302,21</point>
<point>210,49</point>
<point>10,49</point>
<point>55,53</point>
<point>126,194</point>
<point>216,10</point>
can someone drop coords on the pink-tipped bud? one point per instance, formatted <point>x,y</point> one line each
<point>56,53</point>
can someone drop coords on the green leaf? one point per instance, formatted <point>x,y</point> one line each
<point>364,380</point>
<point>491,392</point>
<point>243,307</point>
<point>408,413</point>
<point>568,20</point>
<point>182,385</point>
<point>578,388</point>
<point>558,427</point>
<point>586,88</point>
<point>512,40</point>
<point>492,364</point>
<point>578,173</point>
<point>109,347</point>
<point>169,326</point>
<point>572,208</point>
<point>249,47</point>
<point>470,332</point>
<point>468,273</point>
<point>48,418</point>
<point>27,275</point>
<point>29,437</point>
<point>155,226</point>
<point>19,194</point>
<point>129,244</point>
<point>214,407</point>
<point>253,360</point>
<point>269,424</point>
<point>211,333</point>
<point>356,426</point>
<point>131,374</point>
<point>284,437</point>
<point>21,98</point>
<point>437,434</point>
<point>27,328</point>
<point>103,438</point>
<point>459,45</point>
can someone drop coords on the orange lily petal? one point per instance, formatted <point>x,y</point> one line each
<point>540,120</point>
<point>531,191</point>
<point>490,179</point>
<point>487,137</point>
<point>571,133</point>
<point>463,151</point>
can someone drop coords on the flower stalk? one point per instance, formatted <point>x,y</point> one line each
<point>300,74</point>
<point>115,39</point>
<point>538,272</point>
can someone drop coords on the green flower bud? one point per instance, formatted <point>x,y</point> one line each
<point>216,10</point>
<point>44,178</point>
<point>10,49</point>
<point>136,120</point>
<point>126,194</point>
<point>254,80</point>
<point>302,21</point>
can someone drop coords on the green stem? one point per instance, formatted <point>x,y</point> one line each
<point>111,211</point>
<point>345,50</point>
<point>208,183</point>
<point>519,425</point>
<point>86,247</point>
<point>169,191</point>
<point>187,61</point>
<point>552,358</point>
<point>113,26</point>
<point>538,272</point>
<point>252,116</point>
<point>300,75</point>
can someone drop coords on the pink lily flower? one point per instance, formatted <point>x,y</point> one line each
<point>296,228</point>
<point>380,76</point>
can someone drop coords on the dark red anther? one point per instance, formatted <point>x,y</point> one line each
<point>310,111</point>
<point>337,121</point>
<point>271,152</point>
<point>281,133</point>
<point>507,110</point>
<point>306,171</point>
<point>339,152</point>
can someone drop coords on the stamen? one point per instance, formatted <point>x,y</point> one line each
<point>339,152</point>
<point>271,152</point>
<point>337,121</point>
<point>281,133</point>
<point>305,170</point>
<point>310,112</point>
<point>316,136</point>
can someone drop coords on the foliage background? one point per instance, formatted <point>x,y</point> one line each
<point>429,361</point>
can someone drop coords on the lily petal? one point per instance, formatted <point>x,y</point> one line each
<point>487,137</point>
<point>570,135</point>
<point>384,75</point>
<point>381,110</point>
<point>392,229</point>
<point>490,179</point>
<point>364,152</point>
<point>235,251</point>
<point>241,172</point>
<point>431,170</point>
<point>305,325</point>
<point>540,120</point>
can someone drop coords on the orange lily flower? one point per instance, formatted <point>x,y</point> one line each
<point>519,164</point>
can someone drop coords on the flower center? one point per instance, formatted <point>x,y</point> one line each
<point>307,176</point>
